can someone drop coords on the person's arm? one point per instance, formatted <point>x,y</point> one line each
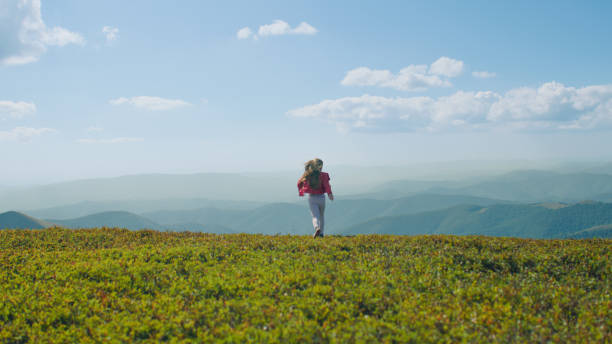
<point>327,188</point>
<point>299,186</point>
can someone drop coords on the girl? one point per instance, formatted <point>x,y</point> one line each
<point>316,184</point>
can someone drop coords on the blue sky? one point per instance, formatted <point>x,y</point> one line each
<point>173,88</point>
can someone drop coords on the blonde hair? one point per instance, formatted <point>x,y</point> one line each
<point>312,172</point>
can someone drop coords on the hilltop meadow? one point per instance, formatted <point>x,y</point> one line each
<point>116,285</point>
<point>164,171</point>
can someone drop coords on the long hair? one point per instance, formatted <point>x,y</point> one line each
<point>312,172</point>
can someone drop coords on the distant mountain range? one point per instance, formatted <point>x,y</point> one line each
<point>292,218</point>
<point>295,217</point>
<point>600,169</point>
<point>218,186</point>
<point>519,186</point>
<point>152,192</point>
<point>585,219</point>
<point>406,216</point>
<point>122,219</point>
<point>605,197</point>
<point>603,231</point>
<point>85,208</point>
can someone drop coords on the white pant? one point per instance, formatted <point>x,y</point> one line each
<point>317,209</point>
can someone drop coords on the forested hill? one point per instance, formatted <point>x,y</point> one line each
<point>294,218</point>
<point>403,216</point>
<point>13,219</point>
<point>530,221</point>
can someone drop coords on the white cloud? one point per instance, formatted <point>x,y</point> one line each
<point>411,78</point>
<point>364,76</point>
<point>111,140</point>
<point>111,33</point>
<point>447,67</point>
<point>24,134</point>
<point>369,112</point>
<point>555,103</point>
<point>277,28</point>
<point>244,33</point>
<point>304,29</point>
<point>16,109</point>
<point>462,108</point>
<point>483,74</point>
<point>552,106</point>
<point>151,103</point>
<point>25,36</point>
<point>61,37</point>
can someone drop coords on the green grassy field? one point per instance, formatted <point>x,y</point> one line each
<point>110,285</point>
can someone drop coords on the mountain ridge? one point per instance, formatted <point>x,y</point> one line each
<point>121,219</point>
<point>515,220</point>
<point>18,220</point>
<point>524,186</point>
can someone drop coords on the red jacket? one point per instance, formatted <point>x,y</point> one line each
<point>304,187</point>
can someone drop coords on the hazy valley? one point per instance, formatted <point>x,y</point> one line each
<point>523,203</point>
